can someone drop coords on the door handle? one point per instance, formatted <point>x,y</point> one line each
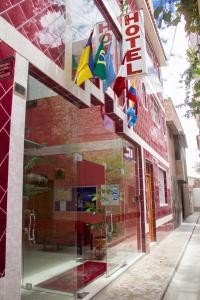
<point>31,228</point>
<point>109,226</point>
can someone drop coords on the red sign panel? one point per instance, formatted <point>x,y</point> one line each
<point>6,67</point>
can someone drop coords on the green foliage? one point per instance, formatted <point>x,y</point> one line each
<point>93,207</point>
<point>192,83</point>
<point>170,18</point>
<point>101,196</point>
<point>188,9</point>
<point>113,161</point>
<point>124,4</point>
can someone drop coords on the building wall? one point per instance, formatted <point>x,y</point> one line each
<point>181,203</point>
<point>188,205</point>
<point>10,283</point>
<point>6,91</point>
<point>31,34</point>
<point>160,211</point>
<point>175,192</point>
<point>39,21</point>
<point>156,136</point>
<point>196,198</point>
<point>87,125</point>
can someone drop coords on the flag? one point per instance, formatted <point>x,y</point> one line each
<point>120,82</point>
<point>132,111</point>
<point>132,96</point>
<point>133,117</point>
<point>99,61</point>
<point>107,122</point>
<point>110,71</point>
<point>85,68</point>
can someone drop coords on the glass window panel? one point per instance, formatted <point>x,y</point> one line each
<point>154,111</point>
<point>162,198</point>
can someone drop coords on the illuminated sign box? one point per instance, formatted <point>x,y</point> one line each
<point>134,45</point>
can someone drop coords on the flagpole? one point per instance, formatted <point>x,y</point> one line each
<point>74,81</point>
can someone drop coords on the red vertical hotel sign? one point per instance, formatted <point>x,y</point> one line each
<point>134,45</point>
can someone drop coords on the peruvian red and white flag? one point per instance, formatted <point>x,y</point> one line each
<point>120,81</point>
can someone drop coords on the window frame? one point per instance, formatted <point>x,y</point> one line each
<point>144,96</point>
<point>153,105</point>
<point>163,184</point>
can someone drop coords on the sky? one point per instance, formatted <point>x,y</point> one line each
<point>177,64</point>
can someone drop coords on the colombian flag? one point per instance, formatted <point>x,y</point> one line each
<point>85,68</point>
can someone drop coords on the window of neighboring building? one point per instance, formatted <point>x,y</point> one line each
<point>177,148</point>
<point>144,96</point>
<point>154,110</point>
<point>162,187</point>
<point>164,125</point>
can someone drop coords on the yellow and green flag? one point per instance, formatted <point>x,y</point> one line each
<point>100,62</point>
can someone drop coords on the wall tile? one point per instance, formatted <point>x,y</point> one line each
<point>30,18</point>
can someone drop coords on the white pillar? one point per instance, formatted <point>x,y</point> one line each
<point>12,281</point>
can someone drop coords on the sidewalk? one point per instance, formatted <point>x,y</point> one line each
<point>150,276</point>
<point>186,282</point>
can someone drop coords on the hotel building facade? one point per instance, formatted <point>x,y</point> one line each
<point>62,145</point>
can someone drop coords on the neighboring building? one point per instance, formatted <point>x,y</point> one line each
<point>66,143</point>
<point>181,203</point>
<point>194,190</point>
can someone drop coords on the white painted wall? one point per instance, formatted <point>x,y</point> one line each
<point>196,197</point>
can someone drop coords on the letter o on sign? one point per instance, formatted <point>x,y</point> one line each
<point>132,30</point>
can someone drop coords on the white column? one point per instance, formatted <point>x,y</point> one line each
<point>15,185</point>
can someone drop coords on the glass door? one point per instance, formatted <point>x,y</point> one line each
<point>79,215</point>
<point>103,169</point>
<point>50,235</point>
<point>122,210</point>
<point>115,225</point>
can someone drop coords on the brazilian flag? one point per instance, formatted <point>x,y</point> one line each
<point>100,62</point>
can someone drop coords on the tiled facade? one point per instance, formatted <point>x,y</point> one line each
<point>6,91</point>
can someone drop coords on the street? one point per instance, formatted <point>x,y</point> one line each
<point>150,276</point>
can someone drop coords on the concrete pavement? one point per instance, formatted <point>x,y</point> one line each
<point>185,284</point>
<point>149,278</point>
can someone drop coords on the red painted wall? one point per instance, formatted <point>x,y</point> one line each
<point>6,92</point>
<point>160,211</point>
<point>154,134</point>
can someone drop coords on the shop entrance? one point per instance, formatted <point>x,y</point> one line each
<point>80,214</point>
